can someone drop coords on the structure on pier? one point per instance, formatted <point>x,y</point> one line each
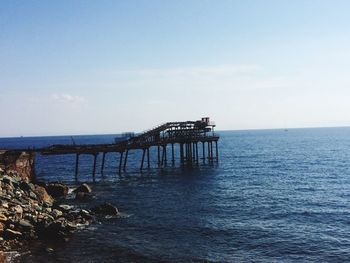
<point>187,134</point>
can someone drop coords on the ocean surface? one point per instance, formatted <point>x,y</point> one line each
<point>273,196</point>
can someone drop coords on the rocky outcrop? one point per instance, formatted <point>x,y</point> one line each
<point>57,189</point>
<point>83,193</point>
<point>28,212</point>
<point>105,209</point>
<point>19,161</point>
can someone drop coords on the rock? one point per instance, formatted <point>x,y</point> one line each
<point>81,196</point>
<point>32,195</point>
<point>3,218</point>
<point>3,258</point>
<point>71,226</point>
<point>49,250</point>
<point>54,230</point>
<point>12,234</point>
<point>43,195</point>
<point>18,210</point>
<point>56,213</point>
<point>25,224</point>
<point>10,180</point>
<point>65,207</point>
<point>57,190</point>
<point>106,209</point>
<point>2,227</point>
<point>84,188</point>
<point>27,186</point>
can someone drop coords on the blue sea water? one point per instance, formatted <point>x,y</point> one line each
<point>273,196</point>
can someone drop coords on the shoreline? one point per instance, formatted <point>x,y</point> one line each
<point>35,211</point>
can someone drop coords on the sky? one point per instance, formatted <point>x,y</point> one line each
<point>102,67</point>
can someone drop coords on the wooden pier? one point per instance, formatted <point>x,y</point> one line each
<point>188,135</point>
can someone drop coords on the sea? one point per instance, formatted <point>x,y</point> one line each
<point>272,196</point>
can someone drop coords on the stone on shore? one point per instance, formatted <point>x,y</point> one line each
<point>84,188</point>
<point>57,190</point>
<point>43,195</point>
<point>106,209</point>
<point>12,234</point>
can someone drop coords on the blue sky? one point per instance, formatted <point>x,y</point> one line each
<point>92,67</point>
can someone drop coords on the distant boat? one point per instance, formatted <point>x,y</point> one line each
<point>124,136</point>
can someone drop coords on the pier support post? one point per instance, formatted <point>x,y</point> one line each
<point>194,151</point>
<point>121,161</point>
<point>203,151</point>
<point>209,157</point>
<point>94,167</point>
<point>148,161</point>
<point>158,155</point>
<point>165,154</point>
<point>197,152</point>
<point>187,153</point>
<point>126,159</point>
<point>103,162</point>
<point>182,152</point>
<point>143,158</point>
<point>216,150</point>
<point>172,153</point>
<point>76,166</point>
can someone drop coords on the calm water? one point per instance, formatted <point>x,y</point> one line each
<point>273,196</point>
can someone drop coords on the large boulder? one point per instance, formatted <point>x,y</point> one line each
<point>42,195</point>
<point>12,234</point>
<point>106,209</point>
<point>57,190</point>
<point>84,188</point>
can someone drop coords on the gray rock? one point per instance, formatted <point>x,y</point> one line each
<point>106,209</point>
<point>84,188</point>
<point>25,224</point>
<point>12,234</point>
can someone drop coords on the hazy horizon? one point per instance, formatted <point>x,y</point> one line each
<point>216,130</point>
<point>105,67</point>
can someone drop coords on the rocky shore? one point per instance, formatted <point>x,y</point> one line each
<point>36,211</point>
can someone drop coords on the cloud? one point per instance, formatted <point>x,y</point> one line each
<point>67,98</point>
<point>218,70</point>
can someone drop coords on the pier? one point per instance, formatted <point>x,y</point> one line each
<point>196,140</point>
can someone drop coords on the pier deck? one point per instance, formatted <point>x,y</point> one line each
<point>186,134</point>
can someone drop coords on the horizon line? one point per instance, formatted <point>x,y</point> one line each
<point>223,130</point>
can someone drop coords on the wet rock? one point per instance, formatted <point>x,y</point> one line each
<point>10,181</point>
<point>25,186</point>
<point>28,211</point>
<point>105,209</point>
<point>65,207</point>
<point>3,258</point>
<point>12,234</point>
<point>49,250</point>
<point>18,210</point>
<point>57,190</point>
<point>83,197</point>
<point>3,218</point>
<point>84,188</point>
<point>43,195</point>
<point>25,224</point>
<point>55,230</point>
<point>56,213</point>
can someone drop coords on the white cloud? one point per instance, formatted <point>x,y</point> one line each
<point>219,70</point>
<point>68,98</point>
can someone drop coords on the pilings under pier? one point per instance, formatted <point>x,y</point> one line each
<point>188,154</point>
<point>180,139</point>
